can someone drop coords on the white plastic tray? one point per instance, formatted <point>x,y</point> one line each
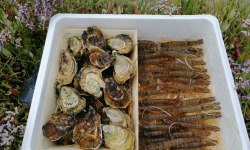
<point>233,131</point>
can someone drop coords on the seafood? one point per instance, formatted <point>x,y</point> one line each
<point>124,68</point>
<point>181,86</point>
<point>162,127</point>
<point>67,68</point>
<point>159,116</point>
<point>122,43</point>
<point>87,133</point>
<point>59,125</point>
<point>198,126</point>
<point>197,101</point>
<point>156,61</point>
<point>153,92</point>
<point>117,96</point>
<point>117,117</point>
<point>197,144</point>
<point>158,101</point>
<point>170,143</point>
<point>147,141</point>
<point>188,81</point>
<point>202,107</point>
<point>176,134</point>
<point>174,66</point>
<point>93,37</point>
<point>187,50</point>
<point>175,74</point>
<point>118,137</point>
<point>181,43</point>
<point>198,117</point>
<point>75,45</point>
<point>99,58</point>
<point>69,101</point>
<point>90,80</point>
<point>148,45</point>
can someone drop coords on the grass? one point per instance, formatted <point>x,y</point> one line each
<point>18,63</point>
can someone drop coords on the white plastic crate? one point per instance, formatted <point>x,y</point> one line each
<point>233,131</point>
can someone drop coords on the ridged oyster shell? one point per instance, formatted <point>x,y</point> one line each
<point>117,117</point>
<point>117,96</point>
<point>69,101</point>
<point>99,58</point>
<point>67,68</point>
<point>90,80</point>
<point>87,133</point>
<point>118,137</point>
<point>122,43</point>
<point>124,68</point>
<point>93,37</point>
<point>75,45</point>
<point>59,125</point>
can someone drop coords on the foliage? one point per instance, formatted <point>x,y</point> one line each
<point>23,27</point>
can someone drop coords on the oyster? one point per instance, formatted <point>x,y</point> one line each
<point>124,68</point>
<point>59,125</point>
<point>122,43</point>
<point>90,80</point>
<point>99,58</point>
<point>119,118</point>
<point>67,68</point>
<point>75,45</point>
<point>69,101</point>
<point>117,96</point>
<point>93,37</point>
<point>118,137</point>
<point>87,133</point>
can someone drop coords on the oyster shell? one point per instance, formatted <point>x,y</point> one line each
<point>119,118</point>
<point>93,37</point>
<point>118,137</point>
<point>67,68</point>
<point>124,68</point>
<point>90,80</point>
<point>99,58</point>
<point>69,101</point>
<point>117,96</point>
<point>75,45</point>
<point>122,43</point>
<point>58,126</point>
<point>87,133</point>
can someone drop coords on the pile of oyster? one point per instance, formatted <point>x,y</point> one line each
<point>93,93</point>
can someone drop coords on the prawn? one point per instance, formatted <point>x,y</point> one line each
<point>181,43</point>
<point>198,117</point>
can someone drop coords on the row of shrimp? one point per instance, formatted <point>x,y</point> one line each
<point>175,99</point>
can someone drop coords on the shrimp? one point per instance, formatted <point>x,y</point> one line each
<point>153,92</point>
<point>175,66</point>
<point>187,50</point>
<point>167,67</point>
<point>146,44</point>
<point>182,87</point>
<point>158,101</point>
<point>174,54</point>
<point>148,82</point>
<point>157,108</point>
<point>156,61</point>
<point>197,101</point>
<point>162,127</point>
<point>175,134</point>
<point>147,141</point>
<point>174,74</point>
<point>174,142</point>
<point>186,81</point>
<point>197,108</point>
<point>159,116</point>
<point>198,117</point>
<point>197,144</point>
<point>181,43</point>
<point>194,125</point>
